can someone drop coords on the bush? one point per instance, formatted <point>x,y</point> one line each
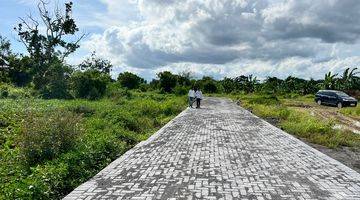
<point>130,80</point>
<point>210,86</point>
<point>83,110</point>
<point>8,91</point>
<point>90,84</point>
<point>180,90</point>
<point>44,137</point>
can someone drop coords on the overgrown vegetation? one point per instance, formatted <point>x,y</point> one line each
<point>300,123</point>
<point>54,145</point>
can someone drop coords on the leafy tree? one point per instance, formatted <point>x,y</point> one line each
<point>46,49</point>
<point>14,69</point>
<point>209,85</point>
<point>130,80</point>
<point>19,70</point>
<point>97,64</point>
<point>92,78</point>
<point>5,51</point>
<point>167,81</point>
<point>272,84</point>
<point>228,85</point>
<point>293,84</point>
<point>57,81</point>
<point>310,87</point>
<point>184,79</point>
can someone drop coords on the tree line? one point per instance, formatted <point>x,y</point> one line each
<point>44,69</point>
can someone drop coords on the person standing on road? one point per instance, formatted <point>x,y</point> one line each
<point>199,97</point>
<point>191,97</point>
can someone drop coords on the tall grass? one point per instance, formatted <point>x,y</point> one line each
<point>52,146</point>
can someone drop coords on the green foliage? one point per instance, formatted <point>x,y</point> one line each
<point>90,84</point>
<point>228,85</point>
<point>109,127</point>
<point>44,137</point>
<point>55,83</point>
<point>209,85</point>
<point>96,64</point>
<point>181,90</point>
<point>5,50</point>
<point>298,122</point>
<point>318,131</point>
<point>8,91</point>
<point>262,99</point>
<point>167,81</point>
<point>130,80</point>
<point>47,51</point>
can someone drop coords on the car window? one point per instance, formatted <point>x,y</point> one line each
<point>342,94</point>
<point>332,94</point>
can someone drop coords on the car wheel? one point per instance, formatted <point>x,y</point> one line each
<point>319,102</point>
<point>339,105</point>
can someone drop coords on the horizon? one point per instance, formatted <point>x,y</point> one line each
<point>211,38</point>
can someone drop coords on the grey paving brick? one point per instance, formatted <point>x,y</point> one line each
<point>221,152</point>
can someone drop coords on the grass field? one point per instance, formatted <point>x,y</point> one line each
<point>49,147</point>
<point>300,116</point>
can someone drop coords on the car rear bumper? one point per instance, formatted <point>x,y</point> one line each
<point>350,103</point>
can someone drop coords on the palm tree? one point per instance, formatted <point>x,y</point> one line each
<point>330,81</point>
<point>250,84</point>
<point>349,78</point>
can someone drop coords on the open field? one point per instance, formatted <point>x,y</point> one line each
<point>48,147</point>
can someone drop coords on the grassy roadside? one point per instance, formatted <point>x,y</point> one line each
<point>52,146</point>
<point>278,111</point>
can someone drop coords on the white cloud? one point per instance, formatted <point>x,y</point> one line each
<point>231,37</point>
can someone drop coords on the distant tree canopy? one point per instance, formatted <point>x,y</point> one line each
<point>130,80</point>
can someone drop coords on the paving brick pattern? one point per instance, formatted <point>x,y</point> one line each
<point>222,152</point>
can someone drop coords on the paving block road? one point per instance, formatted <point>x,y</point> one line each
<point>221,151</point>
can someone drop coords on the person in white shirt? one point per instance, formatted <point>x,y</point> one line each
<point>199,97</point>
<point>191,97</point>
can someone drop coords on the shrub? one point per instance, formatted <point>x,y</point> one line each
<point>44,137</point>
<point>9,91</point>
<point>81,109</point>
<point>210,86</point>
<point>90,84</point>
<point>180,90</point>
<point>130,80</point>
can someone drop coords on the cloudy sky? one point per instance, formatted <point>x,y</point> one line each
<point>218,38</point>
